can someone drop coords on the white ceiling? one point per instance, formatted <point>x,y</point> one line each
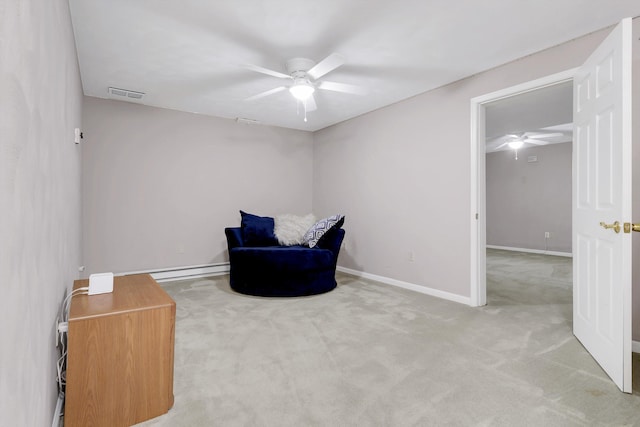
<point>186,55</point>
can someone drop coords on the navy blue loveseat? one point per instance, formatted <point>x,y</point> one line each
<point>283,271</point>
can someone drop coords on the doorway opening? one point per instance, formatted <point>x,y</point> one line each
<point>528,150</point>
<point>479,112</point>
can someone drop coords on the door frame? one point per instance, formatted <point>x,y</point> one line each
<point>478,294</point>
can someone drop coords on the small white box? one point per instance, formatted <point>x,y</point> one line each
<point>100,283</point>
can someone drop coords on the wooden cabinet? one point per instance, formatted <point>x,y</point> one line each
<point>120,354</point>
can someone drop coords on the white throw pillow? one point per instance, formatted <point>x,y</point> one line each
<point>290,229</point>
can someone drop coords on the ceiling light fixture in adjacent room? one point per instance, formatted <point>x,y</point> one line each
<point>515,144</point>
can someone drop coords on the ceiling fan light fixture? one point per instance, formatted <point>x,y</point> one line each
<point>302,90</point>
<point>516,144</point>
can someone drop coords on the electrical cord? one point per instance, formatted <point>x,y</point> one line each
<point>67,301</point>
<point>62,329</point>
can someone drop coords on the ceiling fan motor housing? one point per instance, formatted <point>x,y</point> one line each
<point>299,66</point>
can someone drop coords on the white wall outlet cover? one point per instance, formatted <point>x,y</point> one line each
<point>100,283</point>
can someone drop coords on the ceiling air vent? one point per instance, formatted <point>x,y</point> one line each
<point>128,95</point>
<point>246,121</point>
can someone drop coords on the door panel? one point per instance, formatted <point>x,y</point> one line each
<point>601,193</point>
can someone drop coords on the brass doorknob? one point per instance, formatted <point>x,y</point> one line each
<point>615,226</point>
<point>629,227</point>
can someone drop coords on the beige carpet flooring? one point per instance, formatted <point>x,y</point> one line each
<point>369,354</point>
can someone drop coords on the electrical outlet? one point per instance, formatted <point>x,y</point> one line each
<point>412,256</point>
<point>547,235</point>
<point>180,248</point>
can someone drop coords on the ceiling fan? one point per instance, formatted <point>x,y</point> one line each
<point>304,75</point>
<point>516,141</point>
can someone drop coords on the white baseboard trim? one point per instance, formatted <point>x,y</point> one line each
<point>531,251</point>
<point>635,346</point>
<point>411,286</point>
<point>182,273</point>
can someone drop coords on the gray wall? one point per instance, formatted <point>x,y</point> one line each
<point>401,175</point>
<point>525,199</point>
<point>40,105</point>
<point>160,186</point>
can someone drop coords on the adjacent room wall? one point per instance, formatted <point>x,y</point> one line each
<point>160,186</point>
<point>401,175</point>
<point>40,105</point>
<point>527,198</point>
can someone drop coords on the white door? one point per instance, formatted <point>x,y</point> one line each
<point>602,193</point>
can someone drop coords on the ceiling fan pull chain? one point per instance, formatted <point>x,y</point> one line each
<point>305,110</point>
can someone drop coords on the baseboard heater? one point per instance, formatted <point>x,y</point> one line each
<point>181,273</point>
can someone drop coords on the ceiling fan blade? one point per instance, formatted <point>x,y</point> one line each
<point>535,141</point>
<point>266,93</point>
<point>311,104</point>
<point>267,71</point>
<point>327,65</point>
<point>490,141</point>
<point>543,135</point>
<point>501,145</point>
<point>342,87</point>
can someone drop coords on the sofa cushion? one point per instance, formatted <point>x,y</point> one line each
<point>283,259</point>
<point>257,230</point>
<point>318,230</point>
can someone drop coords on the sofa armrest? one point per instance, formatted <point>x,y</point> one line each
<point>332,240</point>
<point>234,237</point>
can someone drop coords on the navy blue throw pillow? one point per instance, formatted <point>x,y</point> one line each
<point>257,230</point>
